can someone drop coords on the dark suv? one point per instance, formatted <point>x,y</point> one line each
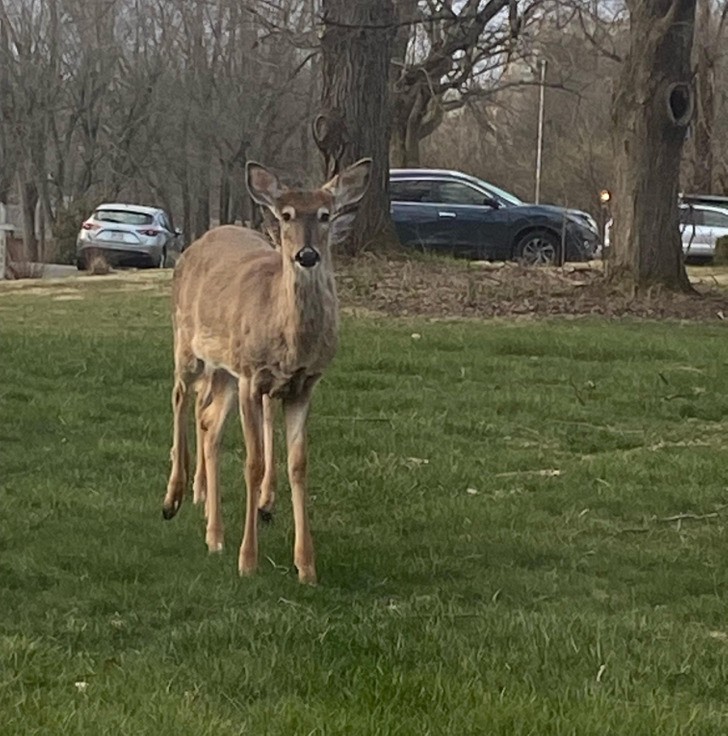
<point>452,213</point>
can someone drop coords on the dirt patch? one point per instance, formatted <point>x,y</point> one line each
<point>445,289</point>
<point>439,288</point>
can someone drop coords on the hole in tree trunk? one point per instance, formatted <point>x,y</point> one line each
<point>680,103</point>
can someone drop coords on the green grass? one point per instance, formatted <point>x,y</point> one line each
<point>466,586</point>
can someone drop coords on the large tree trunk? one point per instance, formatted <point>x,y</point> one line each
<point>652,109</point>
<point>356,112</point>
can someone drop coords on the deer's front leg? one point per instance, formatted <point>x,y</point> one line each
<point>199,485</point>
<point>251,410</point>
<point>267,500</point>
<point>296,412</point>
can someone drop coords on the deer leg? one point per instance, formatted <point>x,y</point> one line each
<point>267,500</point>
<point>296,412</point>
<point>179,454</point>
<point>251,410</point>
<point>211,424</point>
<point>199,485</point>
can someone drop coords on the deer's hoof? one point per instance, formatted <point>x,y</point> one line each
<point>265,516</point>
<point>169,510</point>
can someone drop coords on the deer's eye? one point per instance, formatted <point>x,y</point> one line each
<point>287,214</point>
<point>323,215</point>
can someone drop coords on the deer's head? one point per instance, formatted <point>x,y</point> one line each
<point>304,215</point>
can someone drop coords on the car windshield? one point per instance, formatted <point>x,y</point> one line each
<point>502,193</point>
<point>496,192</point>
<point>123,217</point>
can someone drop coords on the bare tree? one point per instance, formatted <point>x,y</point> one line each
<point>447,53</point>
<point>652,109</point>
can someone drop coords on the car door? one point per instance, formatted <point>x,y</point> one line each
<point>413,211</point>
<point>471,221</point>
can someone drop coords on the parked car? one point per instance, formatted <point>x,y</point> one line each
<point>713,200</point>
<point>700,227</point>
<point>128,235</point>
<point>453,213</point>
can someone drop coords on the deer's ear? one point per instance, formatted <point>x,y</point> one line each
<point>348,187</point>
<point>263,185</point>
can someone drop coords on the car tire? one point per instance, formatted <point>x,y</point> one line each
<point>81,263</point>
<point>539,248</point>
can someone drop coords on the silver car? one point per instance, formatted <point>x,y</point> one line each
<point>127,235</point>
<point>700,227</point>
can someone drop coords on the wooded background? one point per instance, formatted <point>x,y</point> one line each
<point>163,101</point>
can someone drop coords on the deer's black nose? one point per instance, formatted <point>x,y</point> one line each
<point>307,257</point>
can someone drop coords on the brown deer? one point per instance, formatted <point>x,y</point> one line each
<point>262,324</point>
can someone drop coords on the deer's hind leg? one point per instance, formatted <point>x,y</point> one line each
<point>187,368</point>
<point>211,422</point>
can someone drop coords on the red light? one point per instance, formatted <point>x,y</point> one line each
<point>90,226</point>
<point>150,231</point>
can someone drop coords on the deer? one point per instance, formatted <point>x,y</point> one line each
<point>258,324</point>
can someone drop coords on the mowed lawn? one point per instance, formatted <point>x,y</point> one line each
<point>520,529</point>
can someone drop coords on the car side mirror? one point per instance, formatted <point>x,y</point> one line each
<point>491,202</point>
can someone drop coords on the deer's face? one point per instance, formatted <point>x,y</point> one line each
<point>304,216</point>
<point>304,223</point>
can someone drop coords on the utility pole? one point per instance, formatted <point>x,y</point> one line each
<point>539,142</point>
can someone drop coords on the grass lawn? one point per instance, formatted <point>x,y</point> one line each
<point>520,528</point>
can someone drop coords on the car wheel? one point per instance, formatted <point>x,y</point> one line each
<point>81,263</point>
<point>538,248</point>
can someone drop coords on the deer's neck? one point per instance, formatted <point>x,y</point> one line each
<point>309,309</point>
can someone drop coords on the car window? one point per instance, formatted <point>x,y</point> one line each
<point>715,219</point>
<point>453,192</point>
<point>411,190</point>
<point>123,217</point>
<point>690,216</point>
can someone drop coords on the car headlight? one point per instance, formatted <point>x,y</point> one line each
<point>585,221</point>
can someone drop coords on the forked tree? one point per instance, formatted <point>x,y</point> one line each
<point>261,324</point>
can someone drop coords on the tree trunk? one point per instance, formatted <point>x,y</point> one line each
<point>202,207</point>
<point>417,114</point>
<point>404,145</point>
<point>224,207</point>
<point>355,119</point>
<point>705,101</point>
<point>652,108</point>
<point>29,203</point>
